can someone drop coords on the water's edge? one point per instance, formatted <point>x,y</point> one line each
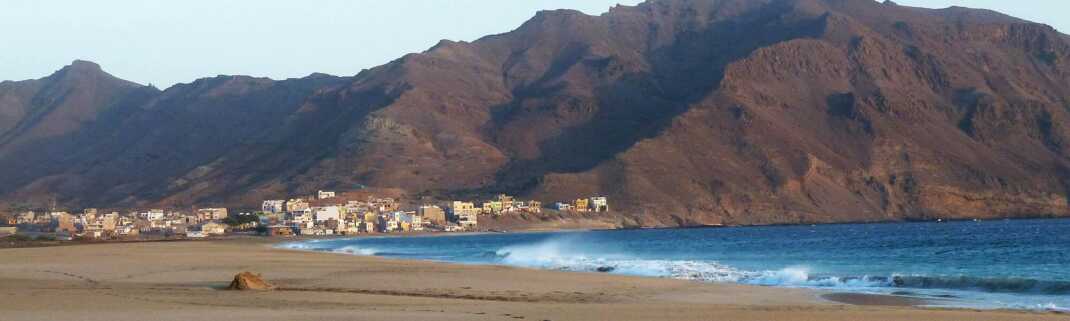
<point>585,251</point>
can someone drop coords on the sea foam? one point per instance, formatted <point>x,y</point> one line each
<point>827,257</point>
<point>573,254</point>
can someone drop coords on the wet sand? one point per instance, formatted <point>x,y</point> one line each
<point>876,299</point>
<point>183,281</point>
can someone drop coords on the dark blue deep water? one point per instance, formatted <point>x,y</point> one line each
<point>1023,264</point>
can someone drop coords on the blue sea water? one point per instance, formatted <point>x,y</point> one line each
<point>1015,264</point>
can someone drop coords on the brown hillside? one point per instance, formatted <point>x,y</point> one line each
<point>683,112</point>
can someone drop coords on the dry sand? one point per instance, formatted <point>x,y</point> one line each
<point>183,281</point>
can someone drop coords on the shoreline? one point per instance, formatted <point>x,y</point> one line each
<point>181,280</point>
<point>848,298</point>
<point>839,296</point>
<point>887,300</point>
<point>874,295</point>
<point>39,244</point>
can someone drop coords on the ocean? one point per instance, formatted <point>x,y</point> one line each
<point>1006,264</point>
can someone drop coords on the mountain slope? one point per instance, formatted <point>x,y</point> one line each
<point>58,104</point>
<point>877,118</point>
<point>683,112</point>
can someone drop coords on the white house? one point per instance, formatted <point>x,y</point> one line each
<point>599,204</point>
<point>302,216</point>
<point>25,218</point>
<point>327,213</point>
<point>464,213</point>
<point>212,228</point>
<point>274,206</point>
<point>152,215</point>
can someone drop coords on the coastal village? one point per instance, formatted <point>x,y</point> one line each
<point>324,214</point>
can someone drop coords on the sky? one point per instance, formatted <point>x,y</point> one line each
<point>163,42</point>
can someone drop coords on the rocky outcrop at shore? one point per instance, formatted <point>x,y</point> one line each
<point>248,281</point>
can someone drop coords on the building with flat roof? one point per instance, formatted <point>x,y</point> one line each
<point>464,213</point>
<point>89,213</point>
<point>327,213</point>
<point>535,207</point>
<point>492,207</point>
<point>581,205</point>
<point>27,217</point>
<point>296,205</point>
<point>213,229</point>
<point>212,214</point>
<point>432,214</point>
<point>280,230</point>
<point>411,222</point>
<point>599,204</point>
<point>64,222</point>
<point>273,206</point>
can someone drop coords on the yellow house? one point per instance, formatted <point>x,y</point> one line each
<point>492,207</point>
<point>506,200</point>
<point>535,207</point>
<point>371,217</point>
<point>212,214</point>
<point>212,228</point>
<point>581,205</point>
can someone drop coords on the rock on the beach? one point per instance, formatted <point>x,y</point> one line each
<point>249,281</point>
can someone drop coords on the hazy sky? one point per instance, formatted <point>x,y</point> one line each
<point>170,41</point>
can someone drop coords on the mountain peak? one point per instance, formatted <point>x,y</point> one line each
<point>84,70</point>
<point>78,69</point>
<point>83,65</point>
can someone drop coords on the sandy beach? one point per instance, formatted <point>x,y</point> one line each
<point>184,281</point>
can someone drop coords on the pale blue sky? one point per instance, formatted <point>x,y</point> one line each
<point>169,41</point>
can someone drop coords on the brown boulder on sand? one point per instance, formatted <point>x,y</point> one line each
<point>248,281</point>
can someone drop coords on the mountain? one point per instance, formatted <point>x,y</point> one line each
<point>683,112</point>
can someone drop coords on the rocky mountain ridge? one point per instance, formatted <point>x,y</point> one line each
<point>683,112</point>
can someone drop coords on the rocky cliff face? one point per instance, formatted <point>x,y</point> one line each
<point>683,112</point>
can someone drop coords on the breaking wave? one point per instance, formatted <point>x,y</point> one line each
<point>568,255</point>
<point>356,250</point>
<point>679,257</point>
<point>993,285</point>
<point>329,246</point>
<point>559,255</point>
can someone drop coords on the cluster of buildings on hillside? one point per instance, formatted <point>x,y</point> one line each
<point>584,205</point>
<point>93,224</point>
<point>331,215</point>
<point>324,213</point>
